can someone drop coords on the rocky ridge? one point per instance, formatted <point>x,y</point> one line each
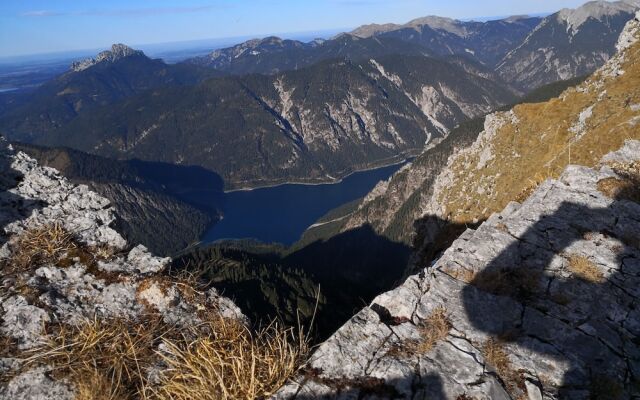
<point>596,10</point>
<point>118,51</point>
<point>467,177</point>
<point>537,303</point>
<point>312,125</point>
<point>108,280</point>
<point>569,43</point>
<point>521,147</point>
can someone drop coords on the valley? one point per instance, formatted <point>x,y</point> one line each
<point>281,214</point>
<point>431,209</point>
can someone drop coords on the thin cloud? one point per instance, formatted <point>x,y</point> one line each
<point>41,13</point>
<point>125,12</point>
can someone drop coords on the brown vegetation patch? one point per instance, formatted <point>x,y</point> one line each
<point>537,140</point>
<point>620,189</point>
<point>630,170</point>
<point>459,273</point>
<point>367,385</point>
<point>218,359</point>
<point>432,330</point>
<point>496,356</point>
<point>50,244</point>
<point>230,362</point>
<point>585,269</point>
<point>532,185</point>
<point>502,227</point>
<point>519,283</point>
<point>38,246</point>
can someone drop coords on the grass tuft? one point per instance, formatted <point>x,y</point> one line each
<point>496,356</point>
<point>619,189</point>
<point>585,269</point>
<point>42,245</point>
<point>231,362</point>
<point>434,329</point>
<point>218,359</point>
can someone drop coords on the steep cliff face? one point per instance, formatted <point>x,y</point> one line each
<point>538,302</point>
<point>61,264</point>
<point>311,125</point>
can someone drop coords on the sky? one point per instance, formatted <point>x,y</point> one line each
<point>46,26</point>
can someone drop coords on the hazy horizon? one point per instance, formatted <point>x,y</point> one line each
<point>35,27</point>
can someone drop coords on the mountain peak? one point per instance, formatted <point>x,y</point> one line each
<point>118,51</point>
<point>516,18</point>
<point>434,22</point>
<point>596,10</point>
<point>440,23</point>
<point>366,31</point>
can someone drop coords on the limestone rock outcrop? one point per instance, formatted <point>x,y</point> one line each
<point>98,276</point>
<point>539,302</point>
<point>117,52</point>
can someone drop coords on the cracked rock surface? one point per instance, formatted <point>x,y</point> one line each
<point>541,302</point>
<point>125,282</point>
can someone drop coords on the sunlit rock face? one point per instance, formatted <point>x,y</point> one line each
<point>538,302</point>
<point>569,43</point>
<point>117,52</point>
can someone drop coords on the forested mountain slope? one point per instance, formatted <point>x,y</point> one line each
<point>311,125</point>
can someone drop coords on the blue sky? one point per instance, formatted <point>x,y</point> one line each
<point>42,26</point>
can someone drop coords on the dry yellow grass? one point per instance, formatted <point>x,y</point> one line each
<point>459,273</point>
<point>46,244</point>
<point>585,269</point>
<point>627,187</point>
<point>541,140</point>
<point>495,356</point>
<point>434,329</point>
<point>628,170</point>
<point>230,363</point>
<point>102,357</point>
<point>218,359</point>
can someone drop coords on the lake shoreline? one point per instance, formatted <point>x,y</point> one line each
<point>282,213</point>
<point>406,158</point>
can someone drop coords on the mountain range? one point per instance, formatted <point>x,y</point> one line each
<point>510,243</point>
<point>271,111</point>
<point>310,125</point>
<point>527,52</point>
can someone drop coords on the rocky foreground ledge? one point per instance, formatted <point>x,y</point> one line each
<point>83,271</point>
<point>539,302</point>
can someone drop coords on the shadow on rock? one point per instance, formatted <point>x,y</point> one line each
<point>429,388</point>
<point>567,289</point>
<point>13,207</point>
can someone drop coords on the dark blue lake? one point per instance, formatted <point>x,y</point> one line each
<point>282,213</point>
